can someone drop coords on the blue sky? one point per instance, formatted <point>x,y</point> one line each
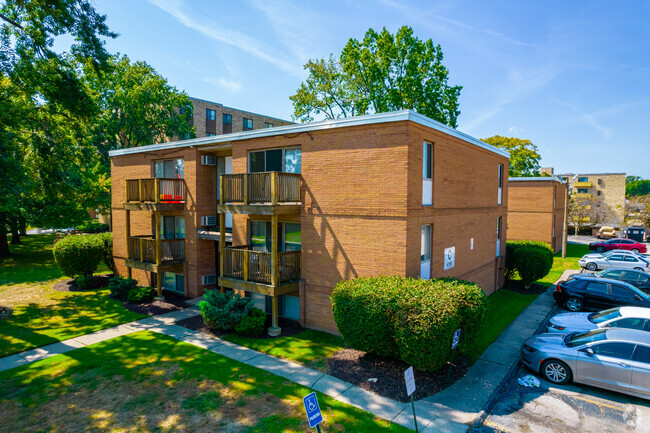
<point>573,77</point>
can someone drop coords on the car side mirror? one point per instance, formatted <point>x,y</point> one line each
<point>588,351</point>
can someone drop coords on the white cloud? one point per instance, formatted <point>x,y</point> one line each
<point>590,119</point>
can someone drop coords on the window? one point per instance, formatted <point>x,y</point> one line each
<point>616,258</point>
<point>425,252</point>
<point>285,160</point>
<point>187,109</point>
<point>629,323</point>
<point>169,169</point>
<point>613,274</point>
<point>583,179</point>
<point>173,282</point>
<point>642,354</point>
<point>248,124</point>
<point>583,190</point>
<point>499,237</point>
<point>268,125</point>
<point>210,114</point>
<point>597,288</point>
<point>172,227</point>
<point>630,259</point>
<point>500,193</point>
<point>598,192</point>
<point>614,350</point>
<point>622,293</point>
<point>566,179</point>
<point>227,123</point>
<point>210,134</point>
<point>427,174</point>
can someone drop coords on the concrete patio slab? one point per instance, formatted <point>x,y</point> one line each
<point>12,361</point>
<point>330,385</point>
<point>379,406</point>
<point>194,302</point>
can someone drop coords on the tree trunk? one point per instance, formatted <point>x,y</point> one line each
<point>22,225</point>
<point>15,235</point>
<point>4,246</point>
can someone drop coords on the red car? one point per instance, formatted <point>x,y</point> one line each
<point>618,244</point>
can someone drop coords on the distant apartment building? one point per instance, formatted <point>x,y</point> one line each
<point>536,209</point>
<point>283,214</point>
<point>211,119</point>
<point>605,190</point>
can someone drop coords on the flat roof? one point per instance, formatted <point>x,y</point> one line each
<point>590,174</point>
<point>239,109</point>
<point>553,178</point>
<point>393,116</point>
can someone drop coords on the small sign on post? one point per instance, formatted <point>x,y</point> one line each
<point>312,409</point>
<point>454,343</point>
<point>409,378</point>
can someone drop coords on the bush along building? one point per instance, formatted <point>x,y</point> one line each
<point>537,210</point>
<point>283,214</point>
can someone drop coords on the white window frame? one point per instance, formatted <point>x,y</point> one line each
<point>500,185</point>
<point>499,231</point>
<point>427,174</point>
<point>425,256</point>
<point>283,149</point>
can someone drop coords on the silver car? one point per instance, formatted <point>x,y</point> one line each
<point>621,317</point>
<point>616,260</point>
<point>609,253</point>
<point>614,359</point>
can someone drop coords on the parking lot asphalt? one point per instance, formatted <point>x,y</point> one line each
<point>564,408</point>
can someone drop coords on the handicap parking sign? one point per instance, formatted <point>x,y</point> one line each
<point>456,339</point>
<point>314,415</point>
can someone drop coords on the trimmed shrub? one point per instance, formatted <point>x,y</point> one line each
<point>106,240</point>
<point>532,263</point>
<point>78,255</point>
<point>83,282</point>
<point>410,319</point>
<point>253,324</point>
<point>6,312</point>
<point>138,295</point>
<point>120,287</point>
<point>92,227</point>
<point>224,310</point>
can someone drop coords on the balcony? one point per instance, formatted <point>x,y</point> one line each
<point>582,184</point>
<point>268,193</point>
<point>154,194</point>
<point>155,255</point>
<point>256,271</point>
<point>581,195</point>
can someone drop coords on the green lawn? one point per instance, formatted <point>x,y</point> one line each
<point>573,253</point>
<point>43,315</point>
<point>150,382</point>
<point>310,348</point>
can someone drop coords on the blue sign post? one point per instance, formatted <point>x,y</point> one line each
<point>454,343</point>
<point>314,415</point>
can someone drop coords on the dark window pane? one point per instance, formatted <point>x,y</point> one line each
<point>597,288</point>
<point>630,259</point>
<point>257,162</point>
<point>614,274</point>
<point>642,354</point>
<point>629,323</point>
<point>274,160</point>
<point>622,292</point>
<point>615,350</point>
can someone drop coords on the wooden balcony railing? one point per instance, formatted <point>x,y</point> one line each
<point>244,264</point>
<point>268,187</point>
<point>155,190</point>
<point>143,249</point>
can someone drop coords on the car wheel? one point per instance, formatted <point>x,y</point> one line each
<point>600,249</point>
<point>573,304</point>
<point>591,266</point>
<point>556,371</point>
<point>635,250</point>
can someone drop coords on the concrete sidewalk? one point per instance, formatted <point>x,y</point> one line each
<point>452,410</point>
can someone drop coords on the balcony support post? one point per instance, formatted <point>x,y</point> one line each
<point>274,188</point>
<point>274,330</point>
<point>159,278</point>
<point>156,190</point>
<point>245,264</point>
<point>222,238</point>
<point>128,233</point>
<point>245,188</point>
<point>140,192</point>
<point>158,240</point>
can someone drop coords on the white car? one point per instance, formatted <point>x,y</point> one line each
<point>615,260</point>
<point>621,317</point>
<point>609,253</point>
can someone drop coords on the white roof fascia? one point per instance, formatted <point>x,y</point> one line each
<point>393,116</point>
<point>535,179</point>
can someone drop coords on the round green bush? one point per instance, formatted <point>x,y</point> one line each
<point>511,256</point>
<point>252,325</point>
<point>410,319</point>
<point>224,310</point>
<point>137,295</point>
<point>121,287</point>
<point>78,255</point>
<point>532,263</point>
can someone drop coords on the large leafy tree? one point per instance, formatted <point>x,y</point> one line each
<point>383,72</point>
<point>637,187</point>
<point>524,155</point>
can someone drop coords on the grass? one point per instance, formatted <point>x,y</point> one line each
<point>43,315</point>
<point>151,382</point>
<point>310,348</point>
<point>573,253</point>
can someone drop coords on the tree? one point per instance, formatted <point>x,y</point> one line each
<point>629,179</point>
<point>524,155</point>
<point>583,211</point>
<point>637,210</point>
<point>637,188</point>
<point>383,72</point>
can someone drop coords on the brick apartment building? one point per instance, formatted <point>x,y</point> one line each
<point>537,209</point>
<point>211,119</point>
<point>302,207</point>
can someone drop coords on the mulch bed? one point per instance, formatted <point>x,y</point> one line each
<point>289,327</point>
<point>518,287</point>
<point>172,302</point>
<point>98,282</point>
<point>358,367</point>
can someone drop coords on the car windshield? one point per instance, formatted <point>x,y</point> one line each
<point>604,316</point>
<point>573,340</point>
<point>600,274</point>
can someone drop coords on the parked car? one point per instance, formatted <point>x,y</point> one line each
<point>609,253</point>
<point>618,244</point>
<point>598,293</point>
<point>625,261</point>
<point>606,232</point>
<point>614,359</point>
<point>621,317</point>
<point>639,279</point>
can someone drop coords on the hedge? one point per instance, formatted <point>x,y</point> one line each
<point>107,250</point>
<point>78,255</point>
<point>224,310</point>
<point>531,260</point>
<point>410,319</point>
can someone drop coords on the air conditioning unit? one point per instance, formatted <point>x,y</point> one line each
<point>208,160</point>
<point>207,280</point>
<point>209,220</point>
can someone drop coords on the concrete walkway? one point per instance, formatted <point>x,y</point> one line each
<point>452,410</point>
